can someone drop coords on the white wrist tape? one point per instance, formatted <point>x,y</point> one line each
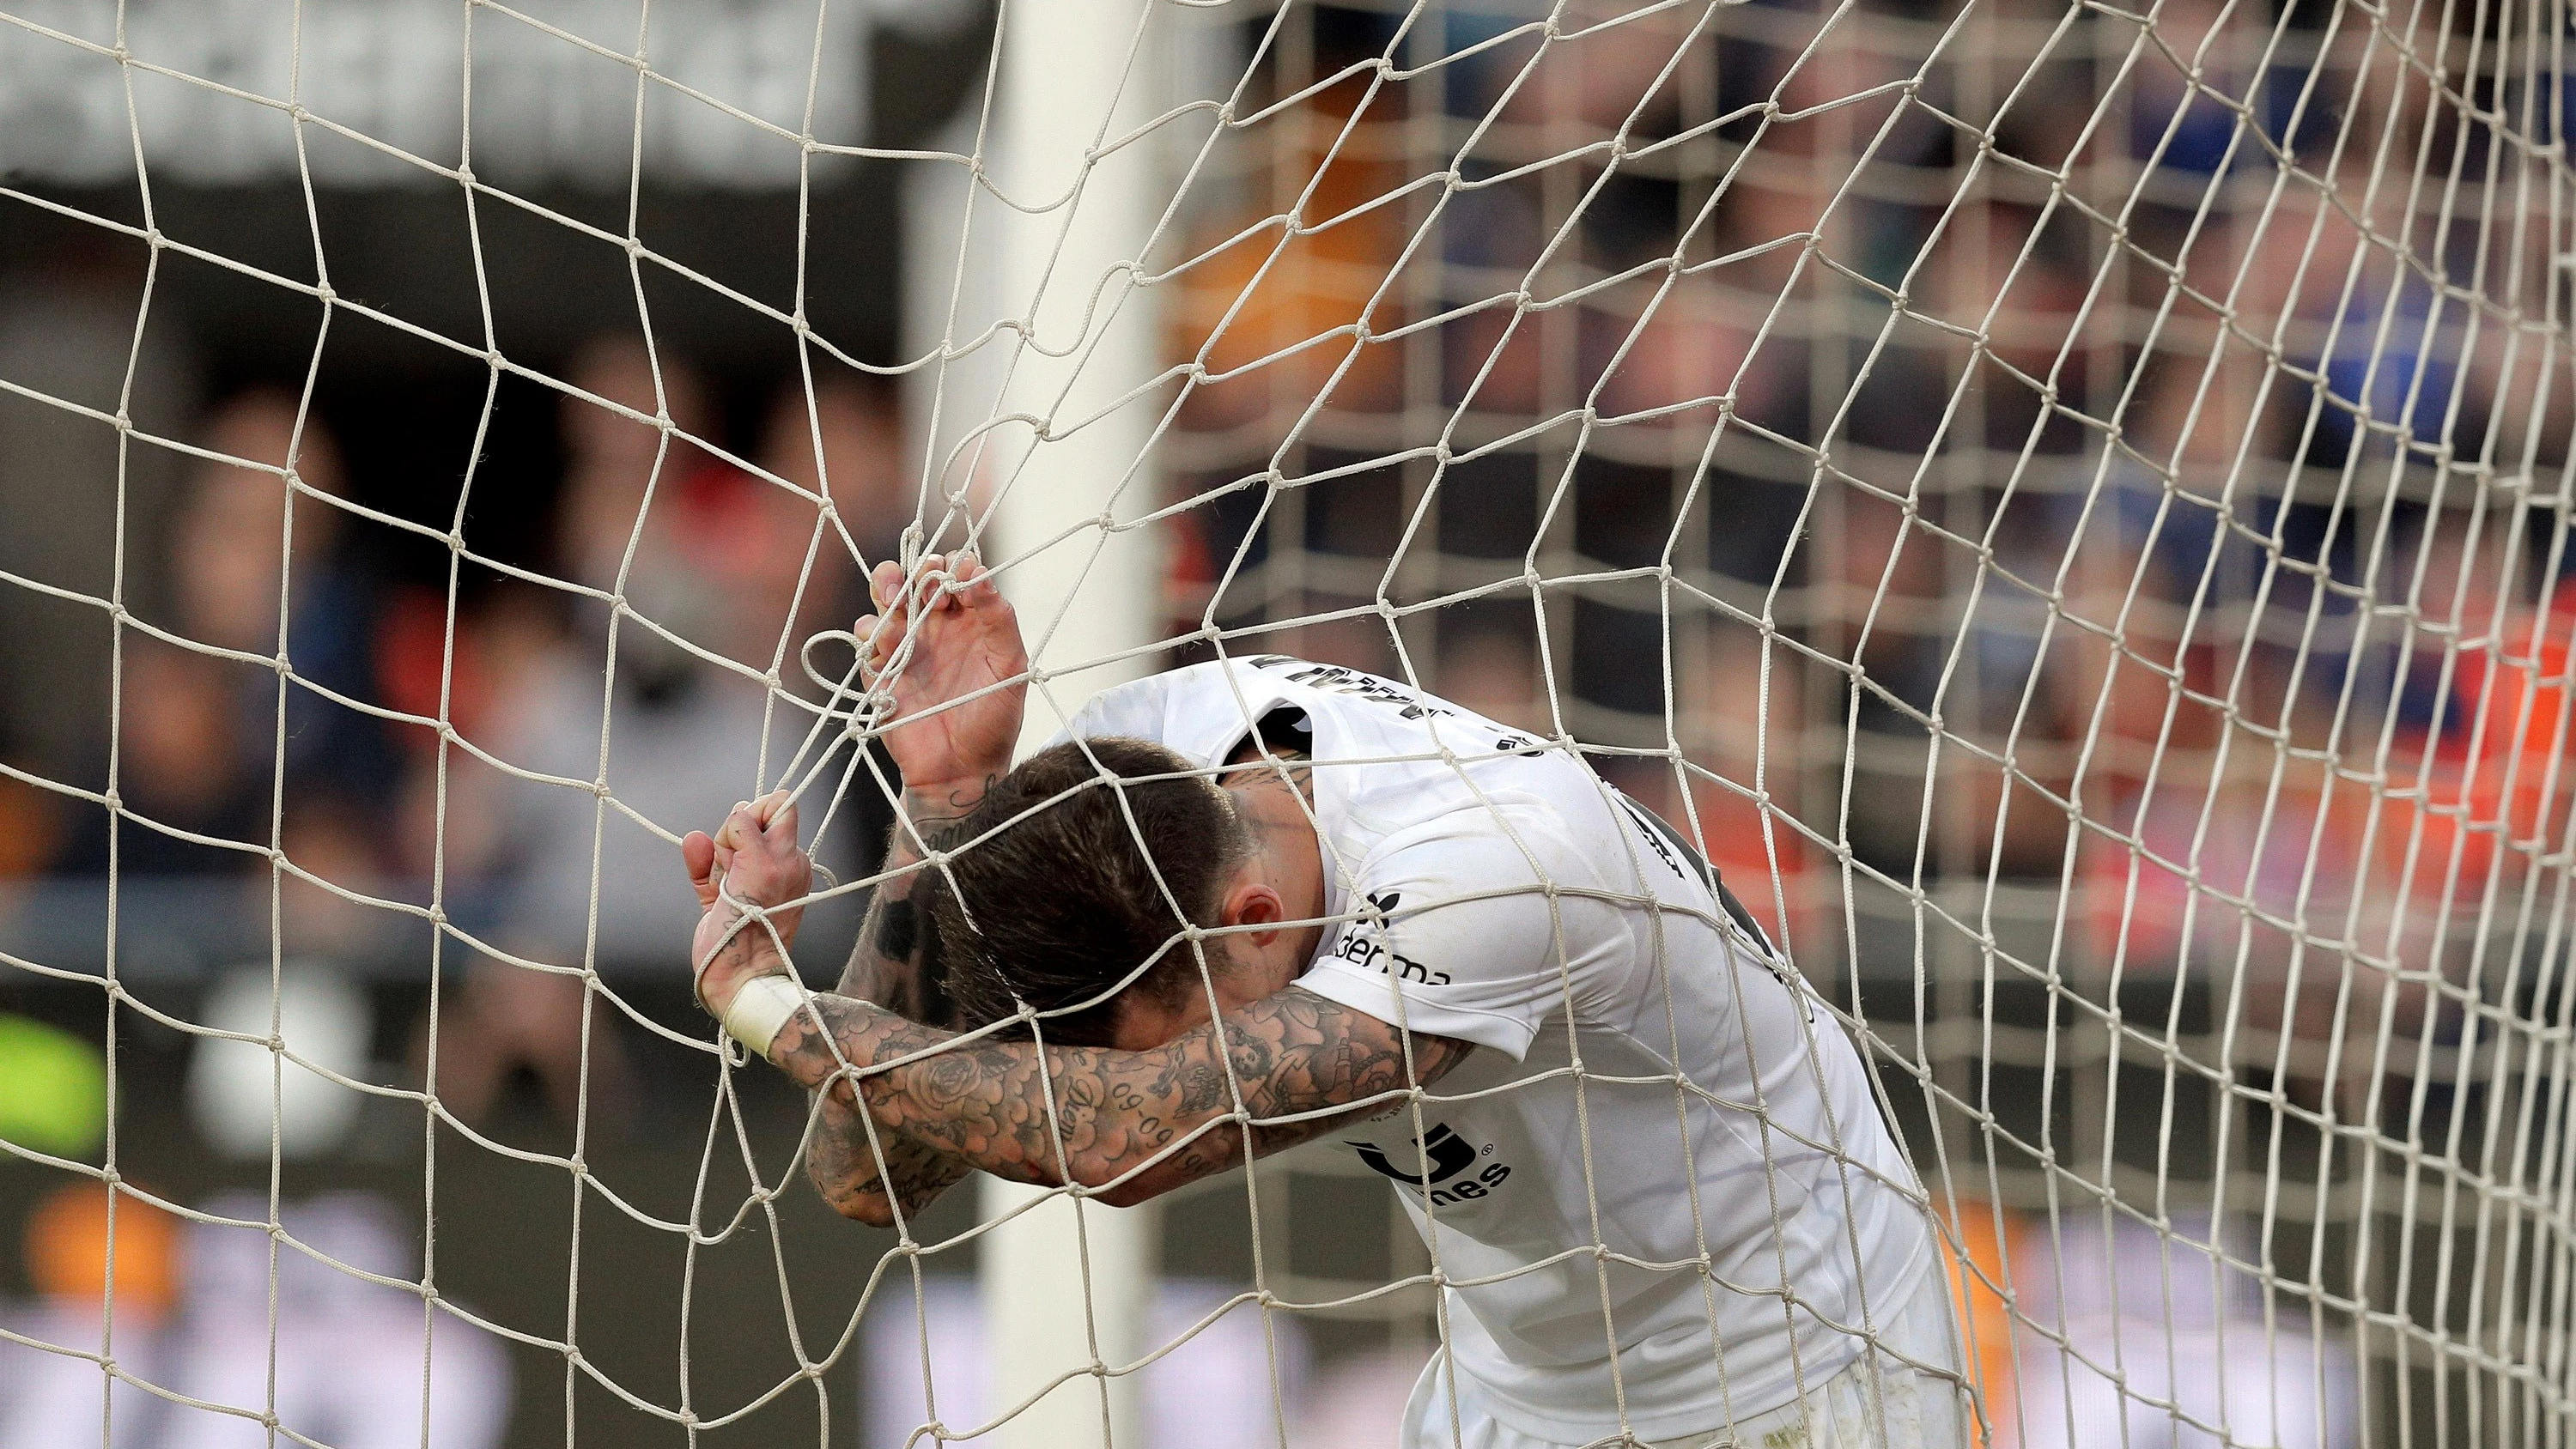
<point>761,1009</point>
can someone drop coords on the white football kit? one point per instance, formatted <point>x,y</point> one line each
<point>1484,887</point>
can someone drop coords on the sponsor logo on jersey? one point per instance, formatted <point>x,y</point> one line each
<point>1337,680</point>
<point>1363,944</point>
<point>1449,1166</point>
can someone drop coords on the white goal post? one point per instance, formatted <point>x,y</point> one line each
<point>1060,1297</point>
<point>2065,504</point>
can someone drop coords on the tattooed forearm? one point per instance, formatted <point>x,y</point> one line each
<point>845,1168</point>
<point>1306,1065</point>
<point>889,966</point>
<point>956,1107</point>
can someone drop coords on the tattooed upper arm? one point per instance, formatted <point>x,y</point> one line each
<point>1145,1121</point>
<point>1306,1065</point>
<point>1296,1053</point>
<point>891,964</point>
<point>887,964</point>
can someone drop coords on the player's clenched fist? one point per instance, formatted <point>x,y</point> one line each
<point>753,860</point>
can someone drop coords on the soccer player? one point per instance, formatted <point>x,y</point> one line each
<point>1652,1173</point>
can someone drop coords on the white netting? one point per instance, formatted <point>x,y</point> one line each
<point>2067,507</point>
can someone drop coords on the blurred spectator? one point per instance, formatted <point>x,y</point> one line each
<point>27,816</point>
<point>611,460</point>
<point>452,813</point>
<point>199,734</point>
<point>719,560</point>
<point>71,495</point>
<point>1750,730</point>
<point>2469,770</point>
<point>851,433</point>
<point>180,766</point>
<point>2162,1339</point>
<point>1271,291</point>
<point>614,529</point>
<point>340,843</point>
<point>716,559</point>
<point>228,555</point>
<point>225,1317</point>
<point>852,436</point>
<point>78,1270</point>
<point>2187,83</point>
<point>2156,575</point>
<point>2473,796</point>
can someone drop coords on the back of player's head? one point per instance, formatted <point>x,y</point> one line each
<point>1050,901</point>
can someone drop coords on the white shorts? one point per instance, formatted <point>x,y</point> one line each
<point>1880,1401</point>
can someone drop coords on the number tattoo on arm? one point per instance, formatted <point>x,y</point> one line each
<point>1135,1123</point>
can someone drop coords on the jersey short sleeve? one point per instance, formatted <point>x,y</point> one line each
<point>1456,934</point>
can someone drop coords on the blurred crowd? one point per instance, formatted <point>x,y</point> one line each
<point>211,1310</point>
<point>2115,480</point>
<point>2223,570</point>
<point>2175,550</point>
<point>2070,507</point>
<point>540,821</point>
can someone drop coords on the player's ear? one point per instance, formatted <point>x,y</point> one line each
<point>1252,903</point>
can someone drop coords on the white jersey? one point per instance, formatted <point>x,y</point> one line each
<point>1482,887</point>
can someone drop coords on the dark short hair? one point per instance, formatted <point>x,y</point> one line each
<point>1062,903</point>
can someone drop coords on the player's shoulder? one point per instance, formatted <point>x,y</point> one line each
<point>1237,692</point>
<point>1200,710</point>
<point>1506,828</point>
<point>1201,684</point>
<point>1342,686</point>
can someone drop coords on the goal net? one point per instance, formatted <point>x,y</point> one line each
<point>2065,506</point>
